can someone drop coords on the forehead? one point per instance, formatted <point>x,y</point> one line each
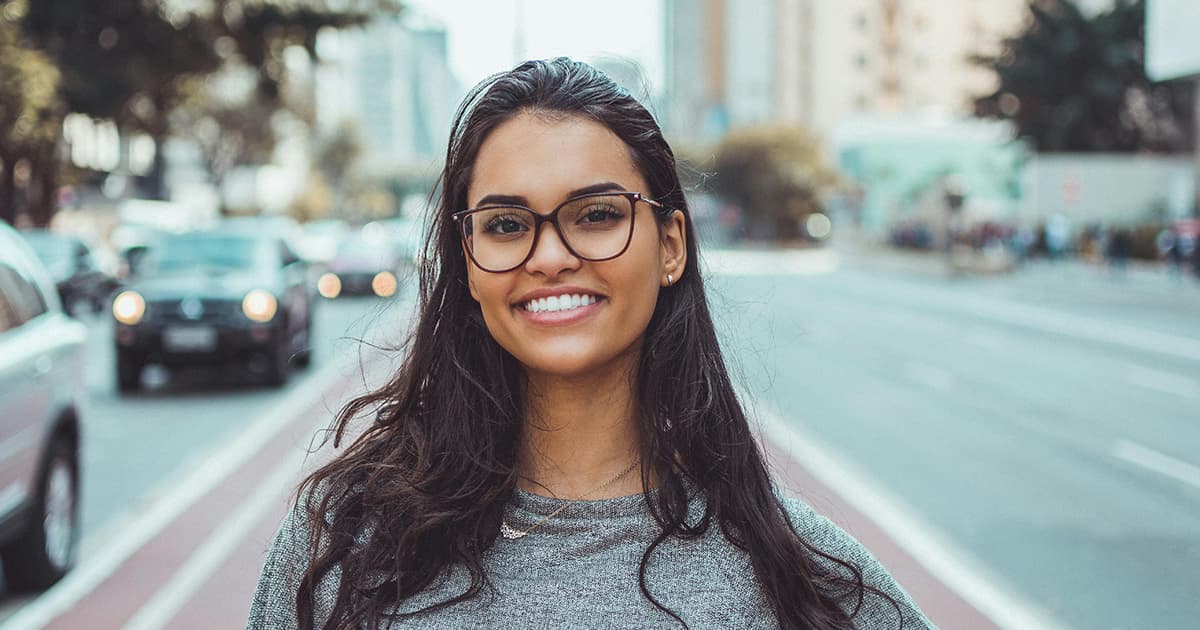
<point>543,158</point>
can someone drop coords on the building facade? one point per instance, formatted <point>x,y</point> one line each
<point>392,81</point>
<point>818,63</point>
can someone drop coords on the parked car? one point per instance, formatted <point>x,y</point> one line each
<point>41,384</point>
<point>218,297</point>
<point>80,278</point>
<point>364,265</point>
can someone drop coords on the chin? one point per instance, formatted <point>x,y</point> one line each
<point>567,360</point>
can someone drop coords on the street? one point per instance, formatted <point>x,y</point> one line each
<point>1040,429</point>
<point>1045,423</point>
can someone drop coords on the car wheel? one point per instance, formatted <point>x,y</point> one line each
<point>303,358</point>
<point>279,361</point>
<point>45,550</point>
<point>129,374</point>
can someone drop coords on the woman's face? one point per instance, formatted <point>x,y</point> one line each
<point>538,162</point>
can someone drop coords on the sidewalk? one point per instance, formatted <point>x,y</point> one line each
<point>884,257</point>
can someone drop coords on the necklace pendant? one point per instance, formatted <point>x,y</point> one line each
<point>508,532</point>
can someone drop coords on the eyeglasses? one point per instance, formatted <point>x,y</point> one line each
<point>593,227</point>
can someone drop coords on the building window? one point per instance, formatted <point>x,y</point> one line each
<point>860,60</point>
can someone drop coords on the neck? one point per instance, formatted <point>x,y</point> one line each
<point>579,434</point>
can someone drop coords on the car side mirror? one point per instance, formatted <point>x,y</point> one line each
<point>134,258</point>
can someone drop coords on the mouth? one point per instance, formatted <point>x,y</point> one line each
<point>559,303</point>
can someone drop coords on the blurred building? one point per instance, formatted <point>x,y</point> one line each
<point>391,80</point>
<point>818,63</point>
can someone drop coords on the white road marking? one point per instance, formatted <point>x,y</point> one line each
<point>1165,382</point>
<point>224,459</point>
<point>1047,320</point>
<point>953,566</point>
<point>930,376</point>
<point>740,262</point>
<point>210,555</point>
<point>1160,463</point>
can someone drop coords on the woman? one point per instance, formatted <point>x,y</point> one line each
<point>562,445</point>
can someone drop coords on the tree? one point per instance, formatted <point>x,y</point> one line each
<point>777,175</point>
<point>1074,82</point>
<point>30,121</point>
<point>134,61</point>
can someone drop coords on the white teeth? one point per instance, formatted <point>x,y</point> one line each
<point>557,303</point>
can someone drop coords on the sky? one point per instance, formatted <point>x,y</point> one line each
<point>482,33</point>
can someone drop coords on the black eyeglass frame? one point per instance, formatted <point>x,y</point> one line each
<point>552,218</point>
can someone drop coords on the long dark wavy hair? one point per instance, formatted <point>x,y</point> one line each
<point>424,487</point>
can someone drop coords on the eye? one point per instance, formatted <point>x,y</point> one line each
<point>504,224</point>
<point>598,214</point>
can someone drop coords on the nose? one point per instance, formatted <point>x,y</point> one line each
<point>550,254</point>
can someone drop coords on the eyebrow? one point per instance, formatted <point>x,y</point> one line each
<point>518,200</point>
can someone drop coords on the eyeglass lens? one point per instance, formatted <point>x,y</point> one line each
<point>595,228</point>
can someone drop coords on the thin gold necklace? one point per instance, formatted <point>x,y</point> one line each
<point>511,533</point>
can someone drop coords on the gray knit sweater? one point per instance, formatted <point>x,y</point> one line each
<point>580,570</point>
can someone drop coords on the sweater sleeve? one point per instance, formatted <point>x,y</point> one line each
<point>274,605</point>
<point>876,612</point>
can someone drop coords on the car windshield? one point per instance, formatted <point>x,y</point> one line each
<point>50,248</point>
<point>226,251</point>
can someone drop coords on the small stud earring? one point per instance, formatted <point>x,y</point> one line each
<point>670,280</point>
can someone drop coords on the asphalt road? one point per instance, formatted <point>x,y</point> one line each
<point>1044,423</point>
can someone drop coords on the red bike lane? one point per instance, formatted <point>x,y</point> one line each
<point>200,570</point>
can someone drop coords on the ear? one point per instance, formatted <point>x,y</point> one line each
<point>470,273</point>
<point>673,248</point>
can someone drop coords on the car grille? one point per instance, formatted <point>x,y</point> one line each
<point>191,310</point>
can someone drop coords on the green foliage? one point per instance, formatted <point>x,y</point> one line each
<point>30,116</point>
<point>1073,82</point>
<point>776,174</point>
<point>337,154</point>
<point>138,61</point>
<point>29,105</point>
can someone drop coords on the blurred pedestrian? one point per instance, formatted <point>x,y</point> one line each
<point>1167,244</point>
<point>1118,247</point>
<point>1058,236</point>
<point>562,446</point>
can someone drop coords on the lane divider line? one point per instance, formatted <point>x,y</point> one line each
<point>220,464</point>
<point>1083,327</point>
<point>1166,382</point>
<point>953,566</point>
<point>212,553</point>
<point>1155,461</point>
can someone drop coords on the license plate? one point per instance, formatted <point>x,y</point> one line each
<point>189,338</point>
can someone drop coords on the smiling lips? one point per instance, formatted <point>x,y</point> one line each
<point>556,303</point>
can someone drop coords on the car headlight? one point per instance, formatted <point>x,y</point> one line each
<point>384,284</point>
<point>329,285</point>
<point>129,307</point>
<point>259,306</point>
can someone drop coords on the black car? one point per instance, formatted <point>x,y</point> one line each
<point>364,266</point>
<point>41,388</point>
<point>78,278</point>
<point>220,297</point>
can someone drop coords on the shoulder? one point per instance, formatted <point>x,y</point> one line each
<point>288,559</point>
<point>822,533</point>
